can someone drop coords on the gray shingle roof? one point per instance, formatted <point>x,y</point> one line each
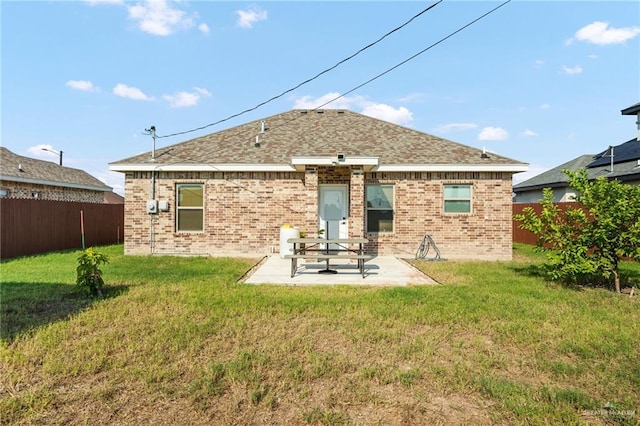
<point>632,110</point>
<point>595,165</point>
<point>45,173</point>
<point>554,177</point>
<point>316,133</point>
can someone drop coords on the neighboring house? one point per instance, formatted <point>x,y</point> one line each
<point>229,193</point>
<point>113,198</point>
<point>24,177</point>
<point>620,162</point>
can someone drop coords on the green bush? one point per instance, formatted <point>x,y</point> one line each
<point>89,275</point>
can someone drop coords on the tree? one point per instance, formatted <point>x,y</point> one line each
<point>586,243</point>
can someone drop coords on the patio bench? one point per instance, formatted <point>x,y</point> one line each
<point>308,248</point>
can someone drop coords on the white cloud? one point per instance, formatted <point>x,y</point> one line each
<point>493,134</point>
<point>545,106</point>
<point>157,17</point>
<point>400,115</point>
<point>385,112</point>
<point>204,28</point>
<point>82,85</point>
<point>345,102</point>
<point>539,63</point>
<point>125,91</point>
<point>600,33</point>
<point>203,92</point>
<point>592,56</point>
<point>186,99</point>
<point>529,133</point>
<point>248,17</point>
<point>571,70</point>
<point>454,127</point>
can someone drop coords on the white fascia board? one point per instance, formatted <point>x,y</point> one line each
<point>511,168</point>
<point>201,168</point>
<point>332,160</point>
<point>55,183</point>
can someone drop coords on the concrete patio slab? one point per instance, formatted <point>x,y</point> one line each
<point>379,271</point>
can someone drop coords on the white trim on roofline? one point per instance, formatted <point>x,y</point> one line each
<point>7,178</point>
<point>341,160</point>
<point>513,168</point>
<point>201,168</point>
<point>298,164</point>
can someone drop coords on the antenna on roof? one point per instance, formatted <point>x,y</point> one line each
<point>152,131</point>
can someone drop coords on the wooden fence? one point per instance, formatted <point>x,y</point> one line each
<point>526,237</point>
<point>38,226</point>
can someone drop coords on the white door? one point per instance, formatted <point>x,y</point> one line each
<point>333,211</point>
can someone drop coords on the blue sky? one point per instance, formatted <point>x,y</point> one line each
<point>541,82</point>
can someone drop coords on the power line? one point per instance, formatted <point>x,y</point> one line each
<point>398,64</point>
<point>309,79</point>
<point>413,56</point>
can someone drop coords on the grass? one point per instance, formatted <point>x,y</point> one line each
<point>179,341</point>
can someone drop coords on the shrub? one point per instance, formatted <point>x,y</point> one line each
<point>89,275</point>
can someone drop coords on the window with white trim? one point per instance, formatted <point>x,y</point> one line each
<point>190,207</point>
<point>457,198</point>
<point>379,208</point>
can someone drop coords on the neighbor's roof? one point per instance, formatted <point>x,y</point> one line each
<point>16,168</point>
<point>632,110</point>
<point>625,168</point>
<point>297,138</point>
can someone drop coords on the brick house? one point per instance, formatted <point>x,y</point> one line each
<point>228,193</point>
<point>24,177</point>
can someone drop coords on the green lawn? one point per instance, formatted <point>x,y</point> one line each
<point>179,341</point>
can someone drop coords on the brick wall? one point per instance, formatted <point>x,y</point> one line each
<point>245,210</point>
<point>485,233</point>
<point>54,193</point>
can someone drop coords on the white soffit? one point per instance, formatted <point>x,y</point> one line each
<point>337,160</point>
<point>299,164</point>
<point>514,168</point>
<point>201,168</point>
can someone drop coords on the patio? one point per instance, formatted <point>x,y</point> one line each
<point>379,271</point>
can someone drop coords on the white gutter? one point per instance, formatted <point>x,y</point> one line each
<point>55,183</point>
<point>201,168</point>
<point>513,168</point>
<point>299,163</point>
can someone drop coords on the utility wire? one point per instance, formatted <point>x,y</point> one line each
<point>310,79</point>
<point>372,79</point>
<point>414,56</point>
<point>397,65</point>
